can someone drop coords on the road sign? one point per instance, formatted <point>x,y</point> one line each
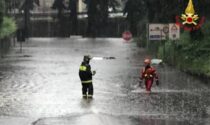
<point>174,31</point>
<point>158,31</point>
<point>165,29</point>
<point>127,35</point>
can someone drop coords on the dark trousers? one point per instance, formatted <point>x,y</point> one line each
<point>87,88</point>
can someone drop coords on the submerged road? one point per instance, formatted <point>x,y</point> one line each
<point>41,86</point>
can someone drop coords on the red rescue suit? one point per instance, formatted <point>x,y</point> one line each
<point>149,74</point>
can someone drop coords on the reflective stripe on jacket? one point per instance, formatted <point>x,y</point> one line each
<point>82,68</point>
<point>89,81</point>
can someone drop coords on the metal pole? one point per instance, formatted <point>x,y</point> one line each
<point>21,47</point>
<point>147,35</point>
<point>27,18</point>
<point>1,42</point>
<point>14,12</point>
<point>174,58</point>
<point>164,47</point>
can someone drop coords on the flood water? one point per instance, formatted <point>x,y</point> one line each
<point>41,86</point>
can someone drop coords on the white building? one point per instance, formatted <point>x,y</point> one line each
<point>81,6</point>
<point>46,5</point>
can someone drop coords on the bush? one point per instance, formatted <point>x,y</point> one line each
<point>141,41</point>
<point>206,28</point>
<point>8,27</point>
<point>191,55</point>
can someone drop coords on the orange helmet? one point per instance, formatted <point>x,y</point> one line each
<point>147,61</point>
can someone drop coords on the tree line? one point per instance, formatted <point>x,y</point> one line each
<point>153,11</point>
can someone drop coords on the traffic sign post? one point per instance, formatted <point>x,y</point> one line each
<point>174,31</point>
<point>160,32</point>
<point>157,32</point>
<point>174,34</point>
<point>127,35</point>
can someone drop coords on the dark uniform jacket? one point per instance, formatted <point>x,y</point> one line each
<point>85,73</point>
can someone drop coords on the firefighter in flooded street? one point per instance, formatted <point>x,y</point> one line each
<point>85,75</point>
<point>148,73</point>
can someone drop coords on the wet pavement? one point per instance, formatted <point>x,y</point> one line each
<point>41,86</point>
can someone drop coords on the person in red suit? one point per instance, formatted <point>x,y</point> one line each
<point>148,73</point>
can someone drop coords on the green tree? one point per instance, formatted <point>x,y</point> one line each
<point>60,6</point>
<point>160,11</point>
<point>26,6</point>
<point>92,6</point>
<point>2,9</point>
<point>134,9</point>
<point>103,15</point>
<point>73,15</point>
<point>98,15</point>
<point>164,11</point>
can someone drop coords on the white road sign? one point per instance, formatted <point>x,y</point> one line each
<point>158,31</point>
<point>174,31</point>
